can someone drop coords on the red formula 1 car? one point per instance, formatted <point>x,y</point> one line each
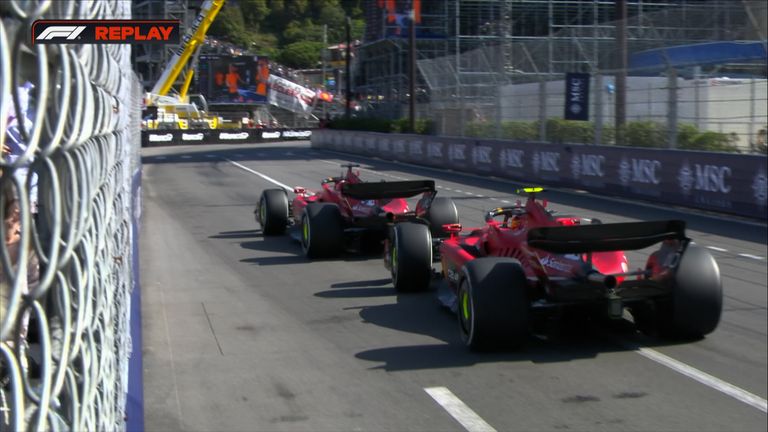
<point>527,266</point>
<point>348,212</point>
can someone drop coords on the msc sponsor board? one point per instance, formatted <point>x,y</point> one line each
<point>721,182</point>
<point>233,136</point>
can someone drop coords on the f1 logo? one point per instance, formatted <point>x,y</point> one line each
<point>67,32</point>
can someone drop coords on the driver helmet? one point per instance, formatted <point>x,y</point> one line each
<point>515,222</point>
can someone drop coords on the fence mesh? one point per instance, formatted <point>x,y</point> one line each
<point>68,122</point>
<point>504,62</point>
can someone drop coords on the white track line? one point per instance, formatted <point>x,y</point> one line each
<point>715,248</point>
<point>459,410</point>
<point>472,422</point>
<point>706,379</point>
<point>745,255</point>
<point>264,176</point>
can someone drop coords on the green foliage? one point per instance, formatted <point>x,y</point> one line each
<point>645,134</point>
<point>422,126</point>
<point>255,12</point>
<point>570,131</point>
<point>710,141</point>
<point>268,27</point>
<point>301,55</point>
<point>229,23</point>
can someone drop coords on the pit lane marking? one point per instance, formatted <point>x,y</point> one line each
<point>264,176</point>
<point>459,410</point>
<point>706,379</point>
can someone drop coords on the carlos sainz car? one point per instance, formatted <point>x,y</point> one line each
<point>349,213</point>
<point>528,266</point>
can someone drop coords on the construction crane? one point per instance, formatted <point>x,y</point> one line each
<point>189,49</point>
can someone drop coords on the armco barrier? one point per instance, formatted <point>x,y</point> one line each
<point>153,138</point>
<point>719,182</point>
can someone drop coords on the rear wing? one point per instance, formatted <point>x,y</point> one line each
<point>605,237</point>
<point>382,190</point>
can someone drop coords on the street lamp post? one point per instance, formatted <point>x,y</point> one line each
<point>347,74</point>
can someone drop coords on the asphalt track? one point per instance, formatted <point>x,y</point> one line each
<point>241,333</point>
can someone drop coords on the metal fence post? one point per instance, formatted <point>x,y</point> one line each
<point>751,127</point>
<point>598,92</point>
<point>543,110</point>
<point>672,107</point>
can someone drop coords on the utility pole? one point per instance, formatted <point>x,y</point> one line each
<point>324,55</point>
<point>347,74</point>
<point>621,73</point>
<point>412,70</point>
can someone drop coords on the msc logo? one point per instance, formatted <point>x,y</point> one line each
<point>65,32</point>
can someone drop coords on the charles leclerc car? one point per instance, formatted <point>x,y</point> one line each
<point>527,266</point>
<point>349,213</point>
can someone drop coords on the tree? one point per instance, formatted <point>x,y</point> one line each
<point>228,22</point>
<point>255,12</point>
<point>301,55</point>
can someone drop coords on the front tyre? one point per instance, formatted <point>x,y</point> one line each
<point>322,231</point>
<point>272,212</point>
<point>492,304</point>
<point>411,257</point>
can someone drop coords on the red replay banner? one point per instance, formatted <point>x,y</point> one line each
<point>105,32</point>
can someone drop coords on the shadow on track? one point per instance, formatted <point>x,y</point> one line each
<point>421,313</point>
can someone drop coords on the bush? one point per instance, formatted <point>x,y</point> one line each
<point>479,130</point>
<point>519,130</point>
<point>645,134</point>
<point>423,126</point>
<point>570,131</point>
<point>710,141</point>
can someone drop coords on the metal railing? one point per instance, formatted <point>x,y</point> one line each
<point>69,122</point>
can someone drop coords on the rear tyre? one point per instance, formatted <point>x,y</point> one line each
<point>697,301</point>
<point>322,231</point>
<point>272,212</point>
<point>493,306</point>
<point>411,257</point>
<point>442,211</point>
<point>693,310</point>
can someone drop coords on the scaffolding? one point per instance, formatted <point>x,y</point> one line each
<point>468,49</point>
<point>151,59</point>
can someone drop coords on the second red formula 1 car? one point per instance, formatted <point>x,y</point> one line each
<point>527,265</point>
<point>348,212</point>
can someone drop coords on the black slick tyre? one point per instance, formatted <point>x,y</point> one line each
<point>441,212</point>
<point>697,301</point>
<point>411,257</point>
<point>272,212</point>
<point>493,306</point>
<point>322,231</point>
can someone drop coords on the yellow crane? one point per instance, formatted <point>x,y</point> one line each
<point>173,105</point>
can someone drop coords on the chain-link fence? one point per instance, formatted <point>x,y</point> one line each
<point>69,121</point>
<point>695,75</point>
<point>670,110</point>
